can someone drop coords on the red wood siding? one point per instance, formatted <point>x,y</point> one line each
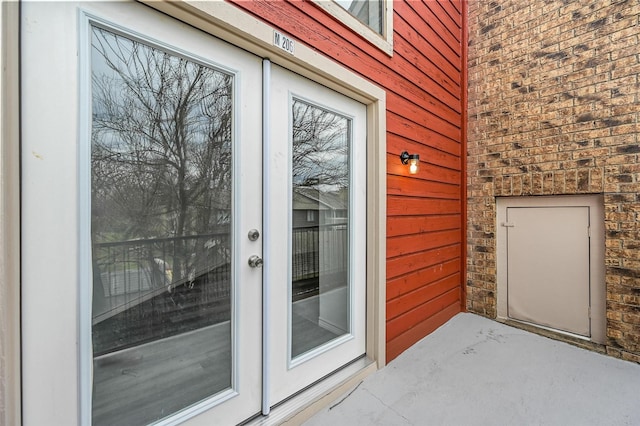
<point>425,112</point>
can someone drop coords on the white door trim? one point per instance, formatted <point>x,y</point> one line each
<point>10,387</point>
<point>267,242</point>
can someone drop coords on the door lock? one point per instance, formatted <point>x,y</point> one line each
<point>253,235</point>
<point>255,261</point>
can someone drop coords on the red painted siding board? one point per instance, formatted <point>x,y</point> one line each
<point>401,206</point>
<point>405,225</point>
<point>450,35</point>
<point>402,130</point>
<point>451,13</point>
<point>424,117</point>
<point>410,319</point>
<point>458,5</point>
<point>405,303</point>
<point>428,77</point>
<point>407,186</point>
<point>428,157</point>
<point>414,334</point>
<point>405,244</point>
<point>439,158</point>
<point>412,91</point>
<point>406,264</point>
<point>430,52</point>
<point>428,74</point>
<point>423,109</point>
<point>414,280</point>
<point>427,41</point>
<point>426,171</point>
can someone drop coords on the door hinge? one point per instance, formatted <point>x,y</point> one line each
<point>589,312</point>
<point>508,224</point>
<point>589,231</point>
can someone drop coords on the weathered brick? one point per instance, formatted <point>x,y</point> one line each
<point>554,110</point>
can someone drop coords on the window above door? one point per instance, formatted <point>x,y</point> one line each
<point>368,12</point>
<point>371,19</point>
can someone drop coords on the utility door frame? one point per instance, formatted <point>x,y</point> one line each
<point>597,291</point>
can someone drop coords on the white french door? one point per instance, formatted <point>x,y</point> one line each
<point>140,189</point>
<point>144,229</point>
<point>316,252</point>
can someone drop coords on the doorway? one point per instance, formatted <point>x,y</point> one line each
<point>206,279</point>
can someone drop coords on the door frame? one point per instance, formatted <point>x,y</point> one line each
<point>597,291</point>
<point>10,212</point>
<point>233,25</point>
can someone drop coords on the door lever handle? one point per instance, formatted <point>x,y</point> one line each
<point>255,261</point>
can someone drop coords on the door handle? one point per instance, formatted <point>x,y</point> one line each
<point>255,261</point>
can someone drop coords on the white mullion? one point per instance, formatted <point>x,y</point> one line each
<point>266,236</point>
<point>85,276</point>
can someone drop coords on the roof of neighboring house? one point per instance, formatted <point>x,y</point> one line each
<point>305,198</point>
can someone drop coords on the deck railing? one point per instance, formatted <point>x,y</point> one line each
<point>151,288</point>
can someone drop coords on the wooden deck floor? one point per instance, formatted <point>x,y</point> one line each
<point>143,384</point>
<point>148,382</point>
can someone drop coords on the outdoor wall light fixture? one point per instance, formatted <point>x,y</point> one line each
<point>412,160</point>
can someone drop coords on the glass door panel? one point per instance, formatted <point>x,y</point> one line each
<point>320,226</point>
<point>134,230</point>
<point>160,229</point>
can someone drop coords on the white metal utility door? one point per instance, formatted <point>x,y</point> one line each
<point>548,267</point>
<point>141,181</point>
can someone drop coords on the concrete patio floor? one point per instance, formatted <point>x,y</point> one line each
<point>474,371</point>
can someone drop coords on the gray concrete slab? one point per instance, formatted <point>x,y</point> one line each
<point>474,371</point>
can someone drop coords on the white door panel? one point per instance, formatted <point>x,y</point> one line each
<point>317,221</point>
<point>49,268</point>
<point>84,64</point>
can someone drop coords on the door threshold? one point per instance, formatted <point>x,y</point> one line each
<point>550,329</point>
<point>304,405</point>
<point>576,340</point>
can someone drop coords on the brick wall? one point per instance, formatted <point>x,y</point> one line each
<point>554,108</point>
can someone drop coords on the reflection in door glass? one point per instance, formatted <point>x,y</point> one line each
<point>320,234</point>
<point>160,231</point>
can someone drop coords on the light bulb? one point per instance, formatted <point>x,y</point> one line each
<point>412,160</point>
<point>413,167</point>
